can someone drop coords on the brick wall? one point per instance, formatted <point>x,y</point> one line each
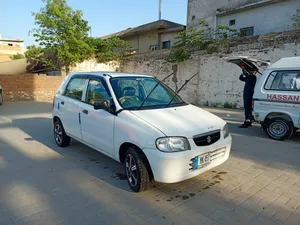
<point>29,87</point>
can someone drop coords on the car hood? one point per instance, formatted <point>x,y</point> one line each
<point>186,121</point>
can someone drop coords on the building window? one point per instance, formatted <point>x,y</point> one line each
<point>10,44</point>
<point>166,44</point>
<point>153,48</point>
<point>231,22</point>
<point>248,31</point>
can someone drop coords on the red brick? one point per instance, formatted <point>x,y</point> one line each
<point>23,87</point>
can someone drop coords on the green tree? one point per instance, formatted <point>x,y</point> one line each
<point>192,40</point>
<point>109,49</point>
<point>296,19</point>
<point>17,56</point>
<point>62,31</point>
<point>38,58</point>
<point>34,53</point>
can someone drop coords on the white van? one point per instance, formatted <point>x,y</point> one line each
<point>140,122</point>
<point>276,96</point>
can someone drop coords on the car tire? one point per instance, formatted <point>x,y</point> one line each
<point>136,170</point>
<point>279,129</point>
<point>60,136</point>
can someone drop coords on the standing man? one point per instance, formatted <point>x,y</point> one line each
<point>249,77</point>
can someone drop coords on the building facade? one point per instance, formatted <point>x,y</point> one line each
<point>9,47</point>
<point>153,36</point>
<point>249,17</point>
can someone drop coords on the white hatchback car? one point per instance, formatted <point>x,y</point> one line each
<point>140,122</point>
<point>276,95</point>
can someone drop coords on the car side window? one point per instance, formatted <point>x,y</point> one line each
<point>283,81</point>
<point>96,92</point>
<point>75,88</point>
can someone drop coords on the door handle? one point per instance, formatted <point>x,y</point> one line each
<point>62,103</point>
<point>85,111</point>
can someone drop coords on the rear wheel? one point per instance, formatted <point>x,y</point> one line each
<point>136,170</point>
<point>60,136</point>
<point>279,128</point>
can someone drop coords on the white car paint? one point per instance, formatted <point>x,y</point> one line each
<point>106,132</point>
<point>277,101</point>
<point>191,120</point>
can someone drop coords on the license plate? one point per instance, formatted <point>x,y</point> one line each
<point>201,161</point>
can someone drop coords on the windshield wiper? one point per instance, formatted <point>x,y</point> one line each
<point>154,89</point>
<point>180,90</point>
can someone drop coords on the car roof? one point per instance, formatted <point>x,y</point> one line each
<point>284,63</point>
<point>111,74</point>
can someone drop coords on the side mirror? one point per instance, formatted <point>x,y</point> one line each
<point>101,105</point>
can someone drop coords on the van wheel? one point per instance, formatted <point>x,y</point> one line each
<point>279,128</point>
<point>136,170</point>
<point>60,136</point>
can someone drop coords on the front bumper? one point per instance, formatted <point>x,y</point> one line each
<point>175,167</point>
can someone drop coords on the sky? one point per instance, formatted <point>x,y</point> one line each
<point>104,16</point>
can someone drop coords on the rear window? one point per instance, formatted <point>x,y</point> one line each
<point>75,88</point>
<point>283,81</point>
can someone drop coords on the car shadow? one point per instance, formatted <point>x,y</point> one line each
<point>256,131</point>
<point>246,144</point>
<point>200,196</point>
<point>95,163</point>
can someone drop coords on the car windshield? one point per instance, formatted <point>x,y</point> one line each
<point>132,91</point>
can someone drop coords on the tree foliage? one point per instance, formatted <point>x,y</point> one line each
<point>296,19</point>
<point>109,49</point>
<point>191,40</point>
<point>39,58</point>
<point>62,31</point>
<point>17,56</point>
<point>62,34</point>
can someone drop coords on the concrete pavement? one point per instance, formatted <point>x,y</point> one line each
<point>43,184</point>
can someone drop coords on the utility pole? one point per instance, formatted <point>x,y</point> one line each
<point>160,6</point>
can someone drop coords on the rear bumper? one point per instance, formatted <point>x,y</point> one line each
<point>175,167</point>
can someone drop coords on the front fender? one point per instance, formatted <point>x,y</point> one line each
<point>129,128</point>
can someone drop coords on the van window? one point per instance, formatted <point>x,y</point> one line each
<point>96,91</point>
<point>283,81</point>
<point>75,88</point>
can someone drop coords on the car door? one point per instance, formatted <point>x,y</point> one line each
<point>97,126</point>
<point>69,106</point>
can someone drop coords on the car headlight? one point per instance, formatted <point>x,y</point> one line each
<point>173,144</point>
<point>225,131</point>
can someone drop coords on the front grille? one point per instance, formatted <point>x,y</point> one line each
<point>207,138</point>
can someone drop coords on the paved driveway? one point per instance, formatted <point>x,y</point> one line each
<point>43,184</point>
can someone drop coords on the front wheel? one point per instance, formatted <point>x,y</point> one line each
<point>279,128</point>
<point>136,170</point>
<point>60,136</point>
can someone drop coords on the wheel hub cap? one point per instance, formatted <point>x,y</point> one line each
<point>131,170</point>
<point>58,133</point>
<point>277,129</point>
